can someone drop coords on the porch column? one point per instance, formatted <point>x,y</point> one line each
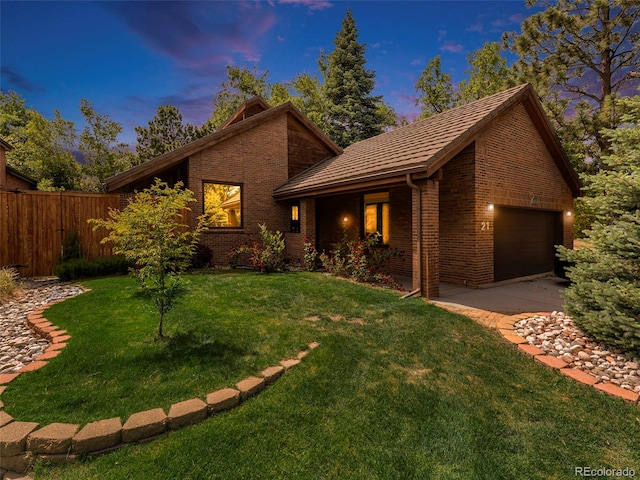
<point>308,219</point>
<point>429,238</point>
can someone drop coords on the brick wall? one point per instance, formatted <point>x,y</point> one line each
<point>508,164</point>
<point>400,229</point>
<point>256,160</point>
<point>457,219</point>
<point>429,238</point>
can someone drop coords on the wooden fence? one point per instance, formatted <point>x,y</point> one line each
<point>33,226</point>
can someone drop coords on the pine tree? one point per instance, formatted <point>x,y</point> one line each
<point>353,114</point>
<point>165,132</point>
<point>604,297</point>
<point>579,55</point>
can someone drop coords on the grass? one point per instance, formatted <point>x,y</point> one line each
<point>8,282</point>
<point>396,389</point>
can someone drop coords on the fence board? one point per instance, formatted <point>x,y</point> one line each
<point>34,224</point>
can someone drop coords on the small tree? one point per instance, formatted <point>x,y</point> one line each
<point>151,231</point>
<point>604,298</point>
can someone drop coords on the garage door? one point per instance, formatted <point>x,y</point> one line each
<point>524,241</point>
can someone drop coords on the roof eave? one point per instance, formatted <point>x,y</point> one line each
<point>378,179</point>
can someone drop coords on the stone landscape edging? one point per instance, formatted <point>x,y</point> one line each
<point>504,324</point>
<point>22,443</point>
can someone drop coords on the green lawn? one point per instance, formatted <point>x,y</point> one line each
<point>397,389</point>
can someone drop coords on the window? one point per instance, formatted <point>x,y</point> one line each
<point>223,204</point>
<point>376,215</point>
<point>295,218</point>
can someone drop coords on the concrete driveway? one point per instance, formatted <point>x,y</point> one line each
<point>535,295</point>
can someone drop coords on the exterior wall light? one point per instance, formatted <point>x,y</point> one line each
<point>490,207</point>
<point>568,213</point>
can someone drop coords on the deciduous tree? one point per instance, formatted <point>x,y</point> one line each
<point>153,232</point>
<point>103,155</point>
<point>488,74</point>
<point>42,148</point>
<point>435,91</point>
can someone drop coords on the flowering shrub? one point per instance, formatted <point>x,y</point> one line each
<point>361,261</point>
<point>266,255</point>
<point>310,256</point>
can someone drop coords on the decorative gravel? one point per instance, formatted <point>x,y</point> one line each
<point>558,335</point>
<point>19,346</point>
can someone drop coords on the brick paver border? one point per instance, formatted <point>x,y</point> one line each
<point>504,324</point>
<point>22,443</point>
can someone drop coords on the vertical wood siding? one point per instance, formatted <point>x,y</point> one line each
<point>34,224</point>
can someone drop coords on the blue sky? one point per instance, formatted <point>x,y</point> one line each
<point>128,58</point>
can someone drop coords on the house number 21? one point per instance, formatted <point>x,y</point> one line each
<point>485,226</point>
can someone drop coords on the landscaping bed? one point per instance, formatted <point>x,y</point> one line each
<point>396,389</point>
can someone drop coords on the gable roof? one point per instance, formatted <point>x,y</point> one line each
<point>246,110</point>
<point>21,176</point>
<point>169,159</point>
<point>423,147</point>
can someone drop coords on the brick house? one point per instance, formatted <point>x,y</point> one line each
<point>472,196</point>
<point>10,178</point>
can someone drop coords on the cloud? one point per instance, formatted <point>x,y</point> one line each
<point>310,4</point>
<point>476,27</point>
<point>416,62</point>
<point>195,34</point>
<point>452,47</point>
<point>441,35</point>
<point>19,81</point>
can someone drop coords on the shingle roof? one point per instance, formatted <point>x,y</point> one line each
<point>418,147</point>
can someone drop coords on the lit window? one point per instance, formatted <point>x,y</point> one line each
<point>223,204</point>
<point>376,215</point>
<point>295,218</point>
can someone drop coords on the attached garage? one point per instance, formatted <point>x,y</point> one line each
<point>524,241</point>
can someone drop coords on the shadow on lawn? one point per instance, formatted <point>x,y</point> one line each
<point>190,348</point>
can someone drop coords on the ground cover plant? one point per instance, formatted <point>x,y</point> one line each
<point>396,389</point>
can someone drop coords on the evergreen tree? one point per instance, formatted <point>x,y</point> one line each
<point>579,54</point>
<point>353,114</point>
<point>604,297</point>
<point>165,132</point>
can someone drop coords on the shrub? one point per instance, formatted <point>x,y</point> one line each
<point>71,247</point>
<point>361,260</point>
<point>266,255</point>
<point>100,267</point>
<point>202,257</point>
<point>310,256</point>
<point>8,281</point>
